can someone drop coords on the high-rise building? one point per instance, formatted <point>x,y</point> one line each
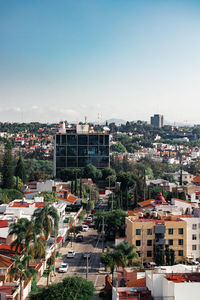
<point>157,120</point>
<point>80,145</point>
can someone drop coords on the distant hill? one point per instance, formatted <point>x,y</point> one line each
<point>116,121</point>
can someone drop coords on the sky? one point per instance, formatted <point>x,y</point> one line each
<point>103,59</point>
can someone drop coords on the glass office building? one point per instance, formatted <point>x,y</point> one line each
<point>76,150</point>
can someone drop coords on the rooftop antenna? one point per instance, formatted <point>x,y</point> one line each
<point>99,118</point>
<point>85,119</point>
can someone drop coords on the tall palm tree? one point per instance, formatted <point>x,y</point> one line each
<point>23,230</point>
<point>21,270</point>
<point>36,247</point>
<point>48,219</point>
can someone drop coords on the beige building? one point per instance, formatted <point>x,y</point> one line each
<point>147,232</point>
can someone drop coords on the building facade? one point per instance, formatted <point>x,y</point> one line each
<point>157,120</point>
<point>145,233</point>
<point>79,146</point>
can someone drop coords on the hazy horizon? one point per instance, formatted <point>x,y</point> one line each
<point>125,59</point>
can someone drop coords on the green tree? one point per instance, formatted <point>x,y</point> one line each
<point>49,196</point>
<point>11,194</point>
<point>7,169</point>
<point>126,255</point>
<point>118,147</point>
<point>172,257</point>
<point>72,287</point>
<point>48,219</point>
<point>167,255</point>
<point>21,270</point>
<point>20,169</point>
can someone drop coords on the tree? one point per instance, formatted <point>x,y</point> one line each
<point>110,261</point>
<point>118,147</point>
<point>114,222</point>
<point>20,169</point>
<point>92,172</point>
<point>7,169</point>
<point>21,270</point>
<point>48,219</point>
<point>125,254</point>
<point>172,257</point>
<point>167,255</point>
<point>49,196</point>
<point>72,287</point>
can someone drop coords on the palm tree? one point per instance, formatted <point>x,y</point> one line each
<point>21,270</point>
<point>37,247</point>
<point>110,260</point>
<point>125,254</point>
<point>23,230</point>
<point>48,219</point>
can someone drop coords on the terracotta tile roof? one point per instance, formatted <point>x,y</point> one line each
<point>136,283</point>
<point>20,204</point>
<point>8,248</point>
<point>3,223</point>
<point>5,261</point>
<point>196,179</point>
<point>8,289</point>
<point>39,204</point>
<point>146,202</point>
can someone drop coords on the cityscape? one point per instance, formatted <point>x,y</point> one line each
<point>99,150</point>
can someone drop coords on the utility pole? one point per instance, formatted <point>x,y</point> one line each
<point>103,233</point>
<point>112,202</point>
<point>87,265</point>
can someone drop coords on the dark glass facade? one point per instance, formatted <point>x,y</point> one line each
<point>78,150</point>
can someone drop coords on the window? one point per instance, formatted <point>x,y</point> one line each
<point>170,231</point>
<point>138,243</point>
<point>82,139</point>
<point>149,231</point>
<point>138,231</point>
<point>170,242</point>
<point>149,253</point>
<point>180,252</point>
<point>72,162</point>
<point>60,151</point>
<point>194,237</point>
<point>60,162</point>
<point>180,242</point>
<point>72,139</point>
<point>63,139</point>
<point>93,140</point>
<point>57,139</point>
<point>71,151</point>
<point>194,247</point>
<point>82,151</point>
<point>149,242</point>
<point>194,226</point>
<point>180,230</point>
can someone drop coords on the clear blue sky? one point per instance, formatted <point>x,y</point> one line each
<point>66,59</point>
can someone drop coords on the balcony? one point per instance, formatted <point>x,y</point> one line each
<point>159,242</point>
<point>160,229</point>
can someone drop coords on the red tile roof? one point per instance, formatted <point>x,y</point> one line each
<point>8,289</point>
<point>39,204</point>
<point>3,223</point>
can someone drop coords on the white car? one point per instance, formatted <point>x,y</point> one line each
<point>71,254</point>
<point>89,219</point>
<point>63,268</point>
<point>85,227</point>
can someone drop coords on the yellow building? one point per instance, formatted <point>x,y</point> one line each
<point>144,233</point>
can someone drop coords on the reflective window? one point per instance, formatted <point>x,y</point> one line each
<point>60,151</point>
<point>93,150</point>
<point>138,243</point>
<point>138,231</point>
<point>71,139</point>
<point>60,162</point>
<point>71,162</point>
<point>170,231</point>
<point>93,140</point>
<point>170,242</point>
<point>63,139</point>
<point>180,230</point>
<point>180,242</point>
<point>72,151</point>
<point>106,140</point>
<point>149,242</point>
<point>103,162</point>
<point>104,150</point>
<point>101,139</point>
<point>149,231</point>
<point>83,139</point>
<point>82,151</point>
<point>180,252</point>
<point>57,139</point>
<point>82,161</point>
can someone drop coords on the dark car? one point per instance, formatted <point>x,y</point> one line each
<point>79,238</point>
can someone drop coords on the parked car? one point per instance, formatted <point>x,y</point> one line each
<point>63,268</point>
<point>85,227</point>
<point>86,254</point>
<point>71,254</point>
<point>79,238</point>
